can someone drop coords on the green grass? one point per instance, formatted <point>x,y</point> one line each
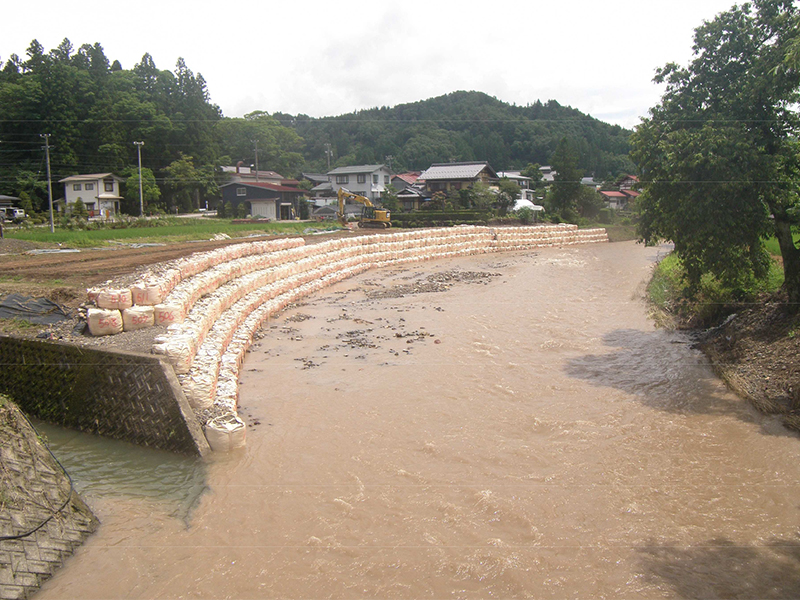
<point>620,233</point>
<point>669,294</point>
<point>774,248</point>
<point>161,231</point>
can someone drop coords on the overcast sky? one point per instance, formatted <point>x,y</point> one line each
<point>330,58</point>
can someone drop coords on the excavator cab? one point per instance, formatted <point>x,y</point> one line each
<point>375,217</point>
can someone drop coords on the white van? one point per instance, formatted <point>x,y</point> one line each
<point>11,213</point>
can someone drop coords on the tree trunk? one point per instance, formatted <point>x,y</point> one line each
<point>791,263</point>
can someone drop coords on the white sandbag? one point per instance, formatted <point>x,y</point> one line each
<point>138,317</point>
<point>148,294</point>
<point>114,299</point>
<point>226,433</point>
<point>168,314</point>
<point>104,322</point>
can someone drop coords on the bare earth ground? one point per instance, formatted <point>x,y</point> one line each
<point>756,351</point>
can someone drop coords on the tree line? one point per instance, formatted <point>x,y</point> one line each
<point>462,126</point>
<point>94,110</point>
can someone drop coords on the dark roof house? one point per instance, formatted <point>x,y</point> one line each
<point>446,177</point>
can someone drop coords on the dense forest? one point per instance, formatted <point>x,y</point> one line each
<point>462,126</point>
<point>93,110</point>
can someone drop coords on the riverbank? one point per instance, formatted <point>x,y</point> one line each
<point>750,340</point>
<point>525,428</point>
<point>756,351</point>
<point>42,519</point>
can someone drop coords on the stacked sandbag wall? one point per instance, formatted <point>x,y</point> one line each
<point>212,303</point>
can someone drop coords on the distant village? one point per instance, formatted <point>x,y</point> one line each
<point>269,195</point>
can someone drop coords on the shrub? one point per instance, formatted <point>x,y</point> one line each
<point>606,216</point>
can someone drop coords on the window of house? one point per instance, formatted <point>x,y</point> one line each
<point>362,178</point>
<point>375,179</point>
<point>386,179</point>
<point>342,179</point>
<point>76,187</point>
<point>108,186</point>
<point>240,191</point>
<point>89,186</point>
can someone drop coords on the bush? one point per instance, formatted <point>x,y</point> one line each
<point>712,301</point>
<point>525,215</point>
<point>606,216</point>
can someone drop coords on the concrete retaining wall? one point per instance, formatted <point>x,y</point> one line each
<point>122,395</point>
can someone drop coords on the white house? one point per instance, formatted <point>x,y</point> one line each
<point>99,192</point>
<point>525,184</point>
<point>365,180</point>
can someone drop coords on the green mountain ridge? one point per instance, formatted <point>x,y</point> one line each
<point>462,126</point>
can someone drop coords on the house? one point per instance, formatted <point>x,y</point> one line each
<point>590,182</point>
<point>262,199</point>
<point>447,177</point>
<point>8,201</point>
<point>99,192</point>
<point>548,174</point>
<point>324,213</point>
<point>403,180</point>
<point>628,182</point>
<point>365,180</point>
<point>614,199</point>
<point>315,178</point>
<point>240,173</point>
<point>412,198</point>
<point>624,195</point>
<point>525,183</point>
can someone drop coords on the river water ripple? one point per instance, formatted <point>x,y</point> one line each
<point>522,434</point>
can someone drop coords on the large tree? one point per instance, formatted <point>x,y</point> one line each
<point>719,156</point>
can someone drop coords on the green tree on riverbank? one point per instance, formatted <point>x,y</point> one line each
<point>719,157</point>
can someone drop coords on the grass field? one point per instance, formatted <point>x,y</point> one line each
<point>170,229</point>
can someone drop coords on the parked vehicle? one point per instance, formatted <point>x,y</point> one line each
<point>10,213</point>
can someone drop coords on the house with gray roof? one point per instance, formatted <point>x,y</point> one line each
<point>365,180</point>
<point>446,177</point>
<point>100,193</point>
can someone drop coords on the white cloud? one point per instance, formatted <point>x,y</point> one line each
<point>327,59</point>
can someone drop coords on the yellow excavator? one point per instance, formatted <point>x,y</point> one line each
<point>370,216</point>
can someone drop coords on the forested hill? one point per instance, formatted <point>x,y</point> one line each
<point>462,126</point>
<point>89,110</point>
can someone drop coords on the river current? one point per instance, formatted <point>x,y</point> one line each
<point>506,426</point>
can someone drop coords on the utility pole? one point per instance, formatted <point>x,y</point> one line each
<point>328,153</point>
<point>256,143</point>
<point>141,194</point>
<point>389,158</point>
<point>46,137</point>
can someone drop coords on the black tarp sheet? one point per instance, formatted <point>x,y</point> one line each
<point>35,310</point>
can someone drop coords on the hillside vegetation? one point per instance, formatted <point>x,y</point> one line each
<point>462,126</point>
<point>93,110</point>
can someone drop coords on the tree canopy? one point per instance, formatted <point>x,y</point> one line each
<point>719,155</point>
<point>463,126</point>
<point>94,110</point>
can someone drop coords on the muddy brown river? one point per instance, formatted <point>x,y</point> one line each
<point>503,426</point>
